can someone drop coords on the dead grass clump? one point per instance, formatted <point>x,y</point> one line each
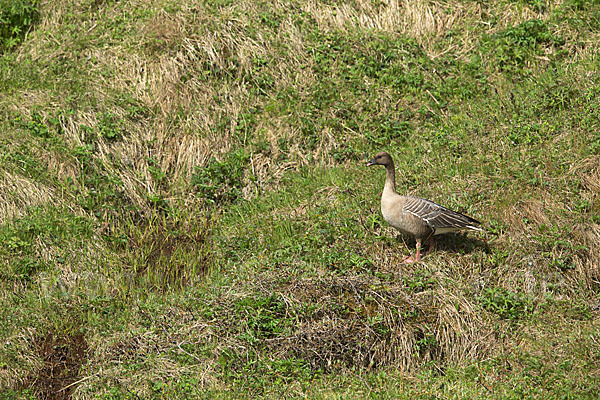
<point>588,172</point>
<point>589,268</point>
<point>416,18</point>
<point>424,20</point>
<point>62,357</point>
<point>132,347</point>
<point>267,173</point>
<point>162,345</point>
<point>164,31</point>
<point>18,193</point>
<point>364,322</point>
<point>526,212</point>
<point>176,146</point>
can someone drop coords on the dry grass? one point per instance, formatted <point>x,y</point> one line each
<point>158,82</point>
<point>17,194</point>
<point>425,20</point>
<point>411,328</point>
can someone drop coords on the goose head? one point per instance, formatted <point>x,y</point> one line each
<point>381,158</point>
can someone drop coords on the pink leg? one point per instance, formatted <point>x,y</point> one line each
<point>417,258</point>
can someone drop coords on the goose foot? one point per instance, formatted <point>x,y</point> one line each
<point>417,257</point>
<point>412,260</point>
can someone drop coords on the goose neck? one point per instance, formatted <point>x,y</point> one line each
<point>390,179</point>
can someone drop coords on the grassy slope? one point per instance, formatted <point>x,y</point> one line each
<point>185,210</point>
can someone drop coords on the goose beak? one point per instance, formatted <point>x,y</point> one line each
<point>372,162</point>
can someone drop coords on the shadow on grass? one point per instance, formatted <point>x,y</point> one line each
<point>459,243</point>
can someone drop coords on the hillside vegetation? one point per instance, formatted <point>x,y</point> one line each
<point>185,210</point>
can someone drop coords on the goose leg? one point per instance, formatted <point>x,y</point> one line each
<point>417,258</point>
<point>431,244</point>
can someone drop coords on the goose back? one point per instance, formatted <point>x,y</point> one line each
<point>421,217</point>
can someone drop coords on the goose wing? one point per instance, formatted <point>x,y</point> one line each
<point>438,217</point>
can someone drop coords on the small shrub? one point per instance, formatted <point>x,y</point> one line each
<point>17,17</point>
<point>342,261</point>
<point>38,126</point>
<point>505,303</point>
<point>419,281</point>
<point>221,181</point>
<point>580,5</point>
<point>104,194</point>
<point>525,132</point>
<point>265,316</point>
<point>389,130</point>
<point>26,162</point>
<point>344,153</point>
<point>513,47</point>
<point>109,127</point>
<point>536,5</point>
<point>425,343</point>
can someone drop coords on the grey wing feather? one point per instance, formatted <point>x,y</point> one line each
<point>437,216</point>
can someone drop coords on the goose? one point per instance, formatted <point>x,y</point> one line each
<point>415,216</point>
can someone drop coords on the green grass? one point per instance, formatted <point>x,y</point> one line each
<point>185,211</point>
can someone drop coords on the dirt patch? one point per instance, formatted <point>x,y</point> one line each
<point>62,357</point>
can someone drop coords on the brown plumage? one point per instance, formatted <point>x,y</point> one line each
<point>414,216</point>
